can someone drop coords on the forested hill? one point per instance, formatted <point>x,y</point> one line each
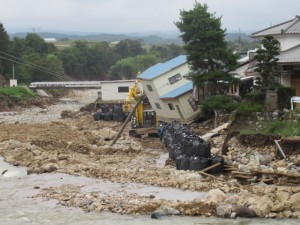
<point>155,38</point>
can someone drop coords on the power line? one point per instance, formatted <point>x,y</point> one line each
<point>32,65</point>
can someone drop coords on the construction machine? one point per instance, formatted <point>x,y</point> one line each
<point>142,121</point>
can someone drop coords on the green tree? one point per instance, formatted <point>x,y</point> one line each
<point>129,48</point>
<point>17,47</point>
<point>166,52</point>
<point>34,43</point>
<point>101,57</point>
<point>129,68</point>
<point>208,54</point>
<point>267,65</point>
<point>88,62</point>
<point>4,46</point>
<point>41,68</point>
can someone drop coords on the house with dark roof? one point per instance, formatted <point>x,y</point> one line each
<point>169,92</point>
<point>288,34</point>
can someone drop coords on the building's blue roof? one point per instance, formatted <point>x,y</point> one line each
<point>179,91</point>
<point>161,68</point>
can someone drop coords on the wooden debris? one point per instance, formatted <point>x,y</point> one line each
<point>208,175</point>
<point>203,172</point>
<point>293,175</point>
<point>211,167</point>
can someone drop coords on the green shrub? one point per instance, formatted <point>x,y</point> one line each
<point>219,103</point>
<point>246,108</point>
<point>283,128</point>
<point>255,97</point>
<point>284,97</point>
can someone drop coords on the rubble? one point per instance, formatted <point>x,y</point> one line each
<point>81,146</point>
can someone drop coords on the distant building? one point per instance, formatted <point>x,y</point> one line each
<point>49,40</point>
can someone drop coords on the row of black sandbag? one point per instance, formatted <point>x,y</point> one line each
<point>189,151</point>
<point>187,142</point>
<point>197,163</point>
<point>194,149</point>
<point>106,114</point>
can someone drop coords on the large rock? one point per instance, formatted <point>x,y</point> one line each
<point>242,211</point>
<point>107,133</point>
<point>263,206</point>
<point>164,210</point>
<point>282,196</point>
<point>239,199</point>
<point>215,195</point>
<point>224,210</point>
<point>279,207</point>
<point>295,202</point>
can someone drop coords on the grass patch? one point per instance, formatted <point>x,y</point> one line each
<point>19,93</point>
<point>283,128</point>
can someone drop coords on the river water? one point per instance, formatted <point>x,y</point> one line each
<point>18,207</point>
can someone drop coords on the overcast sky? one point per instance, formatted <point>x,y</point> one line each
<point>127,16</point>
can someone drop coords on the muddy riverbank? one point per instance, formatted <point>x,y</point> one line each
<point>133,179</point>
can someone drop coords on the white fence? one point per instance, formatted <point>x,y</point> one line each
<point>66,84</point>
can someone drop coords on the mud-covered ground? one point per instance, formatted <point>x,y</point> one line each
<point>81,146</point>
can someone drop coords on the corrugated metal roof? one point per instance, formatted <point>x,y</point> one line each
<point>291,55</point>
<point>179,91</point>
<point>288,27</point>
<point>162,68</point>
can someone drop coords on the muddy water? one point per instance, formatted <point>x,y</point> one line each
<point>18,207</point>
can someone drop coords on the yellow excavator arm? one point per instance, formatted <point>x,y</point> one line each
<point>133,96</point>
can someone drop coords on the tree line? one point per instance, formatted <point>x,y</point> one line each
<point>34,59</point>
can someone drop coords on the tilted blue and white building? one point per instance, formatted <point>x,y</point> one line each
<point>169,92</point>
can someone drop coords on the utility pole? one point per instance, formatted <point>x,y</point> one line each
<point>13,71</point>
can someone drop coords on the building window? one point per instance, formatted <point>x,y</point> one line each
<point>157,105</point>
<point>171,106</point>
<point>123,89</point>
<point>287,67</point>
<point>193,103</point>
<point>149,87</point>
<point>175,78</point>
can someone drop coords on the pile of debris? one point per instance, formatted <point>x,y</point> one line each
<point>251,164</point>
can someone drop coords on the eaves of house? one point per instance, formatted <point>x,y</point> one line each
<point>288,27</point>
<point>161,68</point>
<point>178,92</point>
<point>291,55</point>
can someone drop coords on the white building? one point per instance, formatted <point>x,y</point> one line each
<point>288,34</point>
<point>169,93</point>
<point>115,90</point>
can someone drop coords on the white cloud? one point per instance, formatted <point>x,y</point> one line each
<point>121,16</point>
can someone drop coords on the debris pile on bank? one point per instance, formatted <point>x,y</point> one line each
<point>189,151</point>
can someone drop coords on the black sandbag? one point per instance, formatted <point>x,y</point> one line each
<point>185,163</point>
<point>167,139</point>
<point>107,116</point>
<point>198,163</point>
<point>104,108</point>
<point>177,137</point>
<point>219,169</point>
<point>193,147</point>
<point>96,116</point>
<point>171,153</point>
<point>204,150</point>
<point>177,150</point>
<point>178,161</point>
